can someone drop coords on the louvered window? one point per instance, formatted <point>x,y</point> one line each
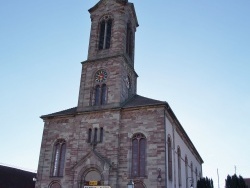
<point>105,33</point>
<point>100,94</point>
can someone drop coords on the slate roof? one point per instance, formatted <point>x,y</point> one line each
<point>138,101</point>
<point>70,111</point>
<point>13,177</point>
<point>135,101</point>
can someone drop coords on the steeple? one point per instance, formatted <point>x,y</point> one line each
<point>108,75</point>
<point>111,21</point>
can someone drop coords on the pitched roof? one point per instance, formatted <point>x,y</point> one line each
<point>139,101</point>
<point>70,111</point>
<point>135,101</point>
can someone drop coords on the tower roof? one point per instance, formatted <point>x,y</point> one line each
<point>123,2</point>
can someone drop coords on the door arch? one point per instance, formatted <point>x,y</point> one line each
<point>139,185</point>
<point>91,175</point>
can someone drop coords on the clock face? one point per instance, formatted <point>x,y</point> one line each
<point>101,76</point>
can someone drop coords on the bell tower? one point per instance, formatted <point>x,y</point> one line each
<point>108,77</point>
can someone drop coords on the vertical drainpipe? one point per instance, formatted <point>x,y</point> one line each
<point>165,147</point>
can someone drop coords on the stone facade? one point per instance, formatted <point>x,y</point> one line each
<point>98,138</point>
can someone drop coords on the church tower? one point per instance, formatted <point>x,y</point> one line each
<point>108,77</point>
<point>114,137</point>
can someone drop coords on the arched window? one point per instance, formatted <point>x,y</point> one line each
<point>103,94</point>
<point>100,94</point>
<point>138,155</point>
<point>186,170</point>
<point>105,33</point>
<point>170,174</point>
<point>58,158</point>
<point>101,134</point>
<point>192,176</point>
<point>129,42</point>
<point>89,135</point>
<point>179,165</point>
<point>97,95</point>
<point>95,135</point>
<point>196,175</point>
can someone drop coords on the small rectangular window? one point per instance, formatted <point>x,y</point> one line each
<point>101,134</point>
<point>89,135</point>
<point>95,136</point>
<point>102,34</point>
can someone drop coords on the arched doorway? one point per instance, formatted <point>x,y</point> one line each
<point>139,185</point>
<point>55,185</point>
<point>91,177</point>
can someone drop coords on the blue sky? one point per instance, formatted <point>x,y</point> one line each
<point>193,54</point>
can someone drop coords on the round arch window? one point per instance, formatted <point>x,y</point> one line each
<point>92,177</point>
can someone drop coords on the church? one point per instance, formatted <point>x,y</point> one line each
<point>114,137</point>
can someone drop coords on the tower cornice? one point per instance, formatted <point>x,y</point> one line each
<point>127,60</point>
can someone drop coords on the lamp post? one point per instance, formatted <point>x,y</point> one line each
<point>130,184</point>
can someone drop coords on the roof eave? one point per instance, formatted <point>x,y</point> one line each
<point>173,116</point>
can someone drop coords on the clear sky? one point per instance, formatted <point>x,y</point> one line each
<point>193,54</point>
